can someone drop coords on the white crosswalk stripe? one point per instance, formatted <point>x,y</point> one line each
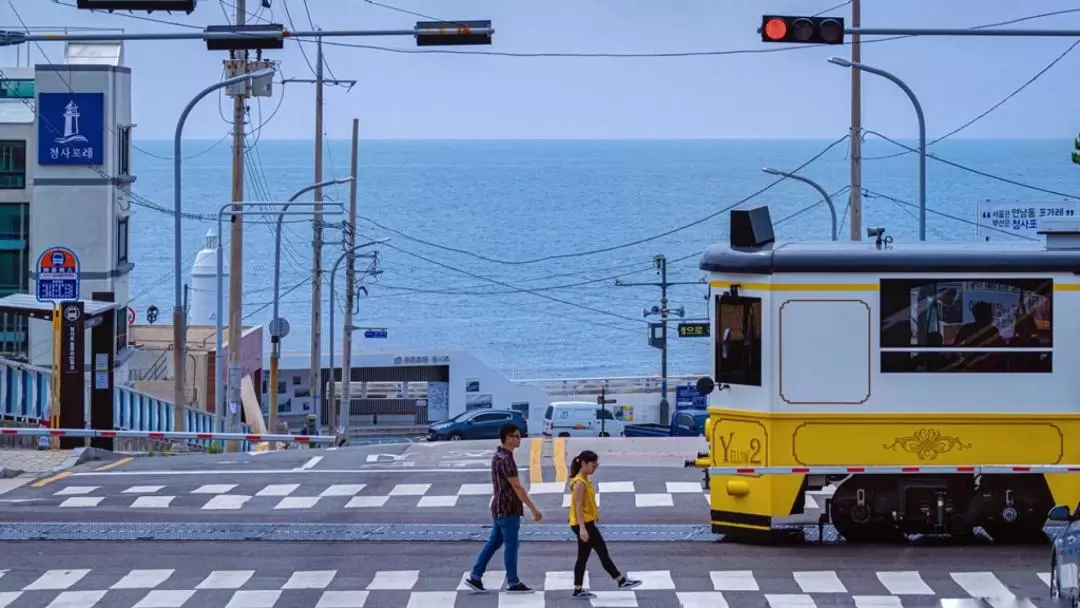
<point>84,588</point>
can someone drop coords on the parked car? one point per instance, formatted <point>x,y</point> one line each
<point>477,424</point>
<point>1065,557</point>
<point>684,423</point>
<point>580,419</point>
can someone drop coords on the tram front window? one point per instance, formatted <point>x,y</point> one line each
<point>738,341</point>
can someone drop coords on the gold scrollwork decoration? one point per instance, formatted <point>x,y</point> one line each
<point>927,444</point>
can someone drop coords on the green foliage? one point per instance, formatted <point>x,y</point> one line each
<point>1076,155</point>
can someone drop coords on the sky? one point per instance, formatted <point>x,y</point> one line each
<point>777,95</point>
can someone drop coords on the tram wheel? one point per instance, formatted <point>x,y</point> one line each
<point>865,523</point>
<point>1031,502</point>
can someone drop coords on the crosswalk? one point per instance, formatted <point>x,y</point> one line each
<point>297,496</point>
<point>191,588</point>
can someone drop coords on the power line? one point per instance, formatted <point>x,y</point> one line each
<point>975,171</point>
<point>899,201</point>
<point>613,247</point>
<point>992,108</point>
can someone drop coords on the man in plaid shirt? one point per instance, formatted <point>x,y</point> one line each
<point>507,508</point>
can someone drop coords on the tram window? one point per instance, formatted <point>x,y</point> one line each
<point>738,341</point>
<point>960,325</point>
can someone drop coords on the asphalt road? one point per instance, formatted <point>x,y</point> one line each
<point>419,575</point>
<point>639,482</point>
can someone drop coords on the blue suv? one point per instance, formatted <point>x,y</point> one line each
<point>477,424</point>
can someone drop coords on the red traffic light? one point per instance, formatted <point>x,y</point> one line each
<point>802,30</point>
<point>775,29</point>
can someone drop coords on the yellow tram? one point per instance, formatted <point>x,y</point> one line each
<point>921,380</point>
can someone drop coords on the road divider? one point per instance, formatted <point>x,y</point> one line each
<point>536,460</point>
<point>559,456</point>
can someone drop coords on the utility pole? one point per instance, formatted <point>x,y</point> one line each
<point>236,236</point>
<point>658,331</point>
<point>350,285</point>
<point>315,371</point>
<point>855,192</point>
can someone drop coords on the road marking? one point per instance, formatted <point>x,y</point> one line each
<point>245,472</point>
<point>55,580</point>
<point>824,581</point>
<point>982,585</point>
<point>82,501</point>
<point>152,502</point>
<point>559,456</point>
<point>701,599</point>
<point>733,580</point>
<point>904,583</point>
<point>226,502</point>
<point>113,465</point>
<point>44,482</point>
<point>165,597</point>
<point>310,579</point>
<point>307,466</point>
<point>394,580</point>
<point>536,460</point>
<point>143,579</point>
<point>225,579</point>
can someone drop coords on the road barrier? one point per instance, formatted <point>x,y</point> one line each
<point>994,469</point>
<point>46,432</point>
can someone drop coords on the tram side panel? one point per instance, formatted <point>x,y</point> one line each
<point>997,418</point>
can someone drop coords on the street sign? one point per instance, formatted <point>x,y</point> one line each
<point>375,333</point>
<point>131,316</point>
<point>998,217</point>
<point>688,396</point>
<point>58,275</point>
<point>694,330</point>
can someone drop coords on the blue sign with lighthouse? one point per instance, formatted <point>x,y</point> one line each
<point>71,128</point>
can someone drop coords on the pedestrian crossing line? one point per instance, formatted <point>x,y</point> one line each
<point>721,589</point>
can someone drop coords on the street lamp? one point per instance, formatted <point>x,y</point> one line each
<point>179,319</point>
<point>233,382</point>
<point>343,409</point>
<point>828,199</point>
<point>922,130</point>
<point>277,326</point>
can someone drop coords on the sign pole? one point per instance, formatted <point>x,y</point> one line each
<point>57,283</point>
<point>54,381</point>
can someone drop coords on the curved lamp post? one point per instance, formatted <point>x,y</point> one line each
<point>828,199</point>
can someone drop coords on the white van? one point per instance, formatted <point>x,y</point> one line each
<point>580,419</point>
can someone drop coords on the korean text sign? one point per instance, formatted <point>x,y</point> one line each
<point>71,128</point>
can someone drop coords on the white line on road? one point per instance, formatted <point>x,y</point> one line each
<point>484,470</point>
<point>309,464</point>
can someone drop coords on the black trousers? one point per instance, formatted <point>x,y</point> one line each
<point>596,543</point>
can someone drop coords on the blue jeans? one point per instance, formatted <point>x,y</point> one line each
<point>504,530</point>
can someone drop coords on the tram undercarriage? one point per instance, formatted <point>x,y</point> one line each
<point>884,508</point>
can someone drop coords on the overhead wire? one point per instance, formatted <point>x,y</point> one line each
<point>973,170</point>
<point>900,201</point>
<point>991,109</point>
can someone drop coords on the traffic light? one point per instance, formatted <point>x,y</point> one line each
<point>802,30</point>
<point>186,6</point>
<point>453,33</point>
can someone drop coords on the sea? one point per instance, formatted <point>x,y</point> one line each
<point>511,249</point>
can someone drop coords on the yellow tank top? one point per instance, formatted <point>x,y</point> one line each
<point>588,508</point>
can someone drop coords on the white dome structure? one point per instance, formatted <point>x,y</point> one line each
<point>203,292</point>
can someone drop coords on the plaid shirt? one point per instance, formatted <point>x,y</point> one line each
<point>504,501</point>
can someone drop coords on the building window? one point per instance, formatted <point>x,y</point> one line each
<point>967,325</point>
<point>122,240</point>
<point>12,165</point>
<point>123,161</point>
<point>121,328</point>
<point>738,341</point>
<point>14,276</point>
<point>17,88</point>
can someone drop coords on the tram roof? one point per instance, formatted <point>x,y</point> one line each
<point>896,257</point>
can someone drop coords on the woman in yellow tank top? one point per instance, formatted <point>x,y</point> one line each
<point>583,517</point>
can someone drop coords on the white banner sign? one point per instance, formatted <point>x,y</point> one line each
<point>1020,218</point>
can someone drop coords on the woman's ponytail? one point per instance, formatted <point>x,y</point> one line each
<point>575,466</point>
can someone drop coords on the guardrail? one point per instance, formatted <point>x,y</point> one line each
<point>25,394</point>
<point>246,437</point>
<point>993,469</point>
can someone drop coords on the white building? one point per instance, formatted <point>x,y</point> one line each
<point>65,179</point>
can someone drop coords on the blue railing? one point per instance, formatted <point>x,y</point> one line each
<point>25,390</point>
